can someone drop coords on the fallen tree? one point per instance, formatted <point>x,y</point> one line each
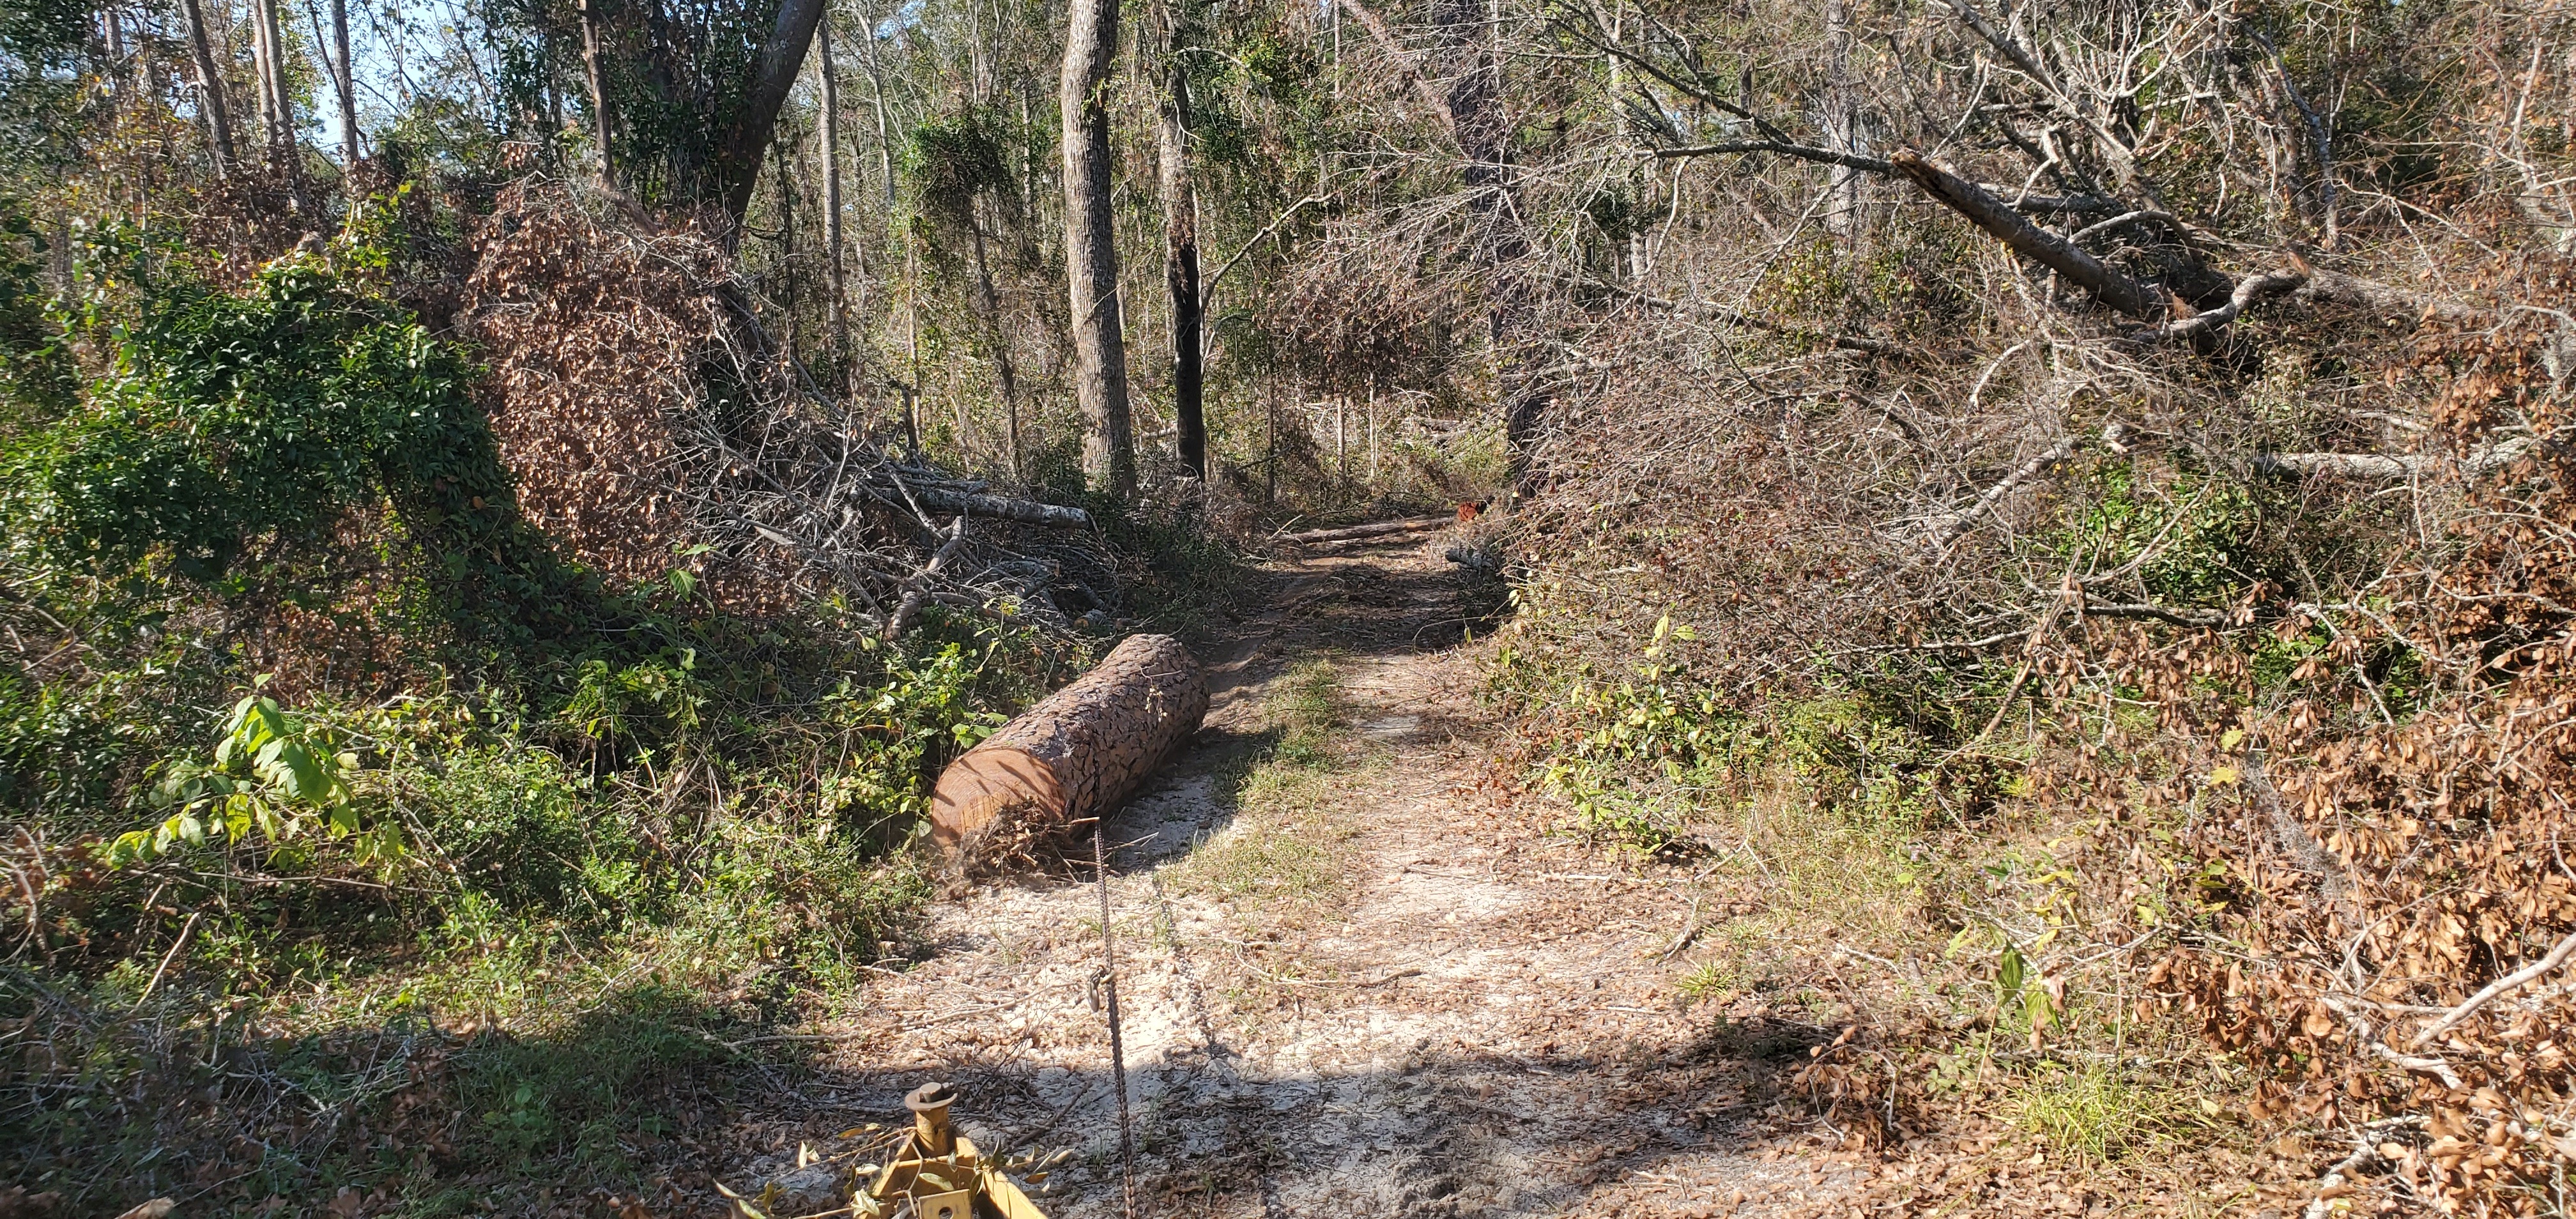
<point>1377,529</point>
<point>1074,756</point>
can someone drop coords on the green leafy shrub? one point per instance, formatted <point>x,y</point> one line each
<point>269,412</point>
<point>652,701</point>
<point>272,773</point>
<point>519,826</point>
<point>924,713</point>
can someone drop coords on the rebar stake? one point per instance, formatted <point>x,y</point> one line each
<point>1117,1046</point>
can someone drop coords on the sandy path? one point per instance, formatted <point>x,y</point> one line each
<point>1466,1018</point>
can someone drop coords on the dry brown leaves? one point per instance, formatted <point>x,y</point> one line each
<point>593,332</point>
<point>2361,874</point>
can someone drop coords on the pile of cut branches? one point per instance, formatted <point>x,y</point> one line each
<point>654,426</point>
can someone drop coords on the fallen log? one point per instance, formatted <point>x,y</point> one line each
<point>2382,467</point>
<point>1025,511</point>
<point>2112,287</point>
<point>1074,756</point>
<point>1415,524</point>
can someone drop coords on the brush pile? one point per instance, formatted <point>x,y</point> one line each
<point>653,424</point>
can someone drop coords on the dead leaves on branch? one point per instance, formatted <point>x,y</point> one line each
<point>2355,877</point>
<point>594,338</point>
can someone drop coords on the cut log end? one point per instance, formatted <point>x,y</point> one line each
<point>999,786</point>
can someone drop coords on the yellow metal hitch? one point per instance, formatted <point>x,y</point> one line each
<point>939,1174</point>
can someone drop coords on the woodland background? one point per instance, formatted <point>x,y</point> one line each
<point>487,493</point>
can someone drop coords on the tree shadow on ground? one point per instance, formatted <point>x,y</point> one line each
<point>654,1096</point>
<point>1444,1130</point>
<point>413,1115</point>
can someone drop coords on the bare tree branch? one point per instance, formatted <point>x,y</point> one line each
<point>2384,467</point>
<point>2139,300</point>
<point>2249,290</point>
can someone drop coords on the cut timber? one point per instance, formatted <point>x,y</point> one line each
<point>1417,524</point>
<point>1074,756</point>
<point>2383,467</point>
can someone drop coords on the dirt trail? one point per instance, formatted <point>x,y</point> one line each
<point>1371,994</point>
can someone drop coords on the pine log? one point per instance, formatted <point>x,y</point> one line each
<point>1074,756</point>
<point>1379,529</point>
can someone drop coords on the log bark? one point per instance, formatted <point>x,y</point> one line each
<point>1075,756</point>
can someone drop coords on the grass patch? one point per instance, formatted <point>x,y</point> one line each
<point>1814,864</point>
<point>1299,862</point>
<point>1286,845</point>
<point>1309,713</point>
<point>2096,1113</point>
<point>1709,981</point>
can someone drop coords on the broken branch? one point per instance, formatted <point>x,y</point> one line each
<point>2501,986</point>
<point>2248,290</point>
<point>2384,467</point>
<point>1983,209</point>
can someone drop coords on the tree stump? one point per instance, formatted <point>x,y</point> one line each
<point>1074,756</point>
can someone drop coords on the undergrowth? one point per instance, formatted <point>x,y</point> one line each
<point>363,840</point>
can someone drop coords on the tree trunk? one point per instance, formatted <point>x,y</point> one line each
<point>263,50</point>
<point>789,266</point>
<point>281,112</point>
<point>1181,260</point>
<point>832,237</point>
<point>782,59</point>
<point>876,97</point>
<point>344,81</point>
<point>603,126</point>
<point>1842,210</point>
<point>277,107</point>
<point>1073,757</point>
<point>989,304</point>
<point>210,86</point>
<point>1091,250</point>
